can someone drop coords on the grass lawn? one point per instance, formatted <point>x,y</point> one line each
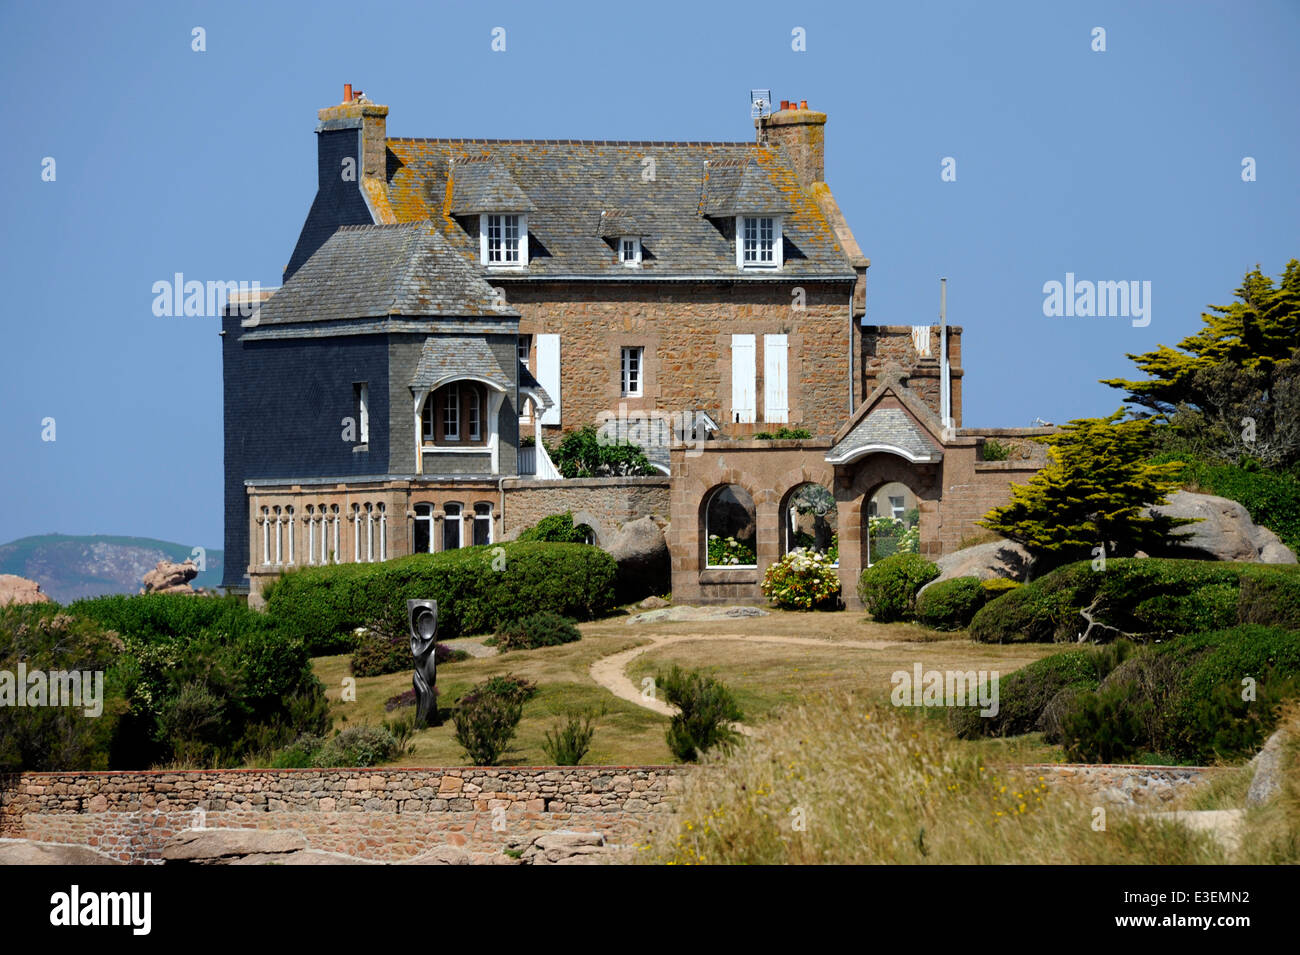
<point>764,677</point>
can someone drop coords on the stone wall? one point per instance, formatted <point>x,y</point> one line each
<point>1142,786</point>
<point>383,814</point>
<point>604,504</point>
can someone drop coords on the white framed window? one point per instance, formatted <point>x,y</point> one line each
<point>311,534</point>
<point>451,526</point>
<point>482,523</point>
<point>525,350</point>
<point>451,415</point>
<point>629,251</point>
<point>503,240</point>
<point>383,532</point>
<point>423,542</point>
<point>370,534</point>
<point>356,533</point>
<point>362,394</point>
<point>337,555</point>
<point>289,528</point>
<point>896,506</point>
<point>776,390</point>
<point>279,540</point>
<point>758,242</point>
<point>632,371</point>
<point>266,535</point>
<point>475,415</point>
<point>548,374</point>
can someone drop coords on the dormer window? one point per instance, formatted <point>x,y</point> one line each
<point>629,251</point>
<point>503,240</point>
<point>758,242</point>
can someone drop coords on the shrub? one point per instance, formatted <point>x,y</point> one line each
<point>995,450</point>
<point>783,434</point>
<point>406,698</point>
<point>376,655</point>
<point>584,452</point>
<point>888,588</point>
<point>543,629</point>
<point>570,740</point>
<point>300,754</point>
<point>509,687</point>
<point>554,529</point>
<point>473,595</point>
<point>485,724</point>
<point>1144,598</point>
<point>996,586</point>
<point>950,604</point>
<point>706,710</point>
<point>357,746</point>
<point>802,580</point>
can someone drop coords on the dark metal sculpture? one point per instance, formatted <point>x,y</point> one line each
<point>422,616</point>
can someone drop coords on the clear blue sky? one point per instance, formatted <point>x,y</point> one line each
<point>1122,165</point>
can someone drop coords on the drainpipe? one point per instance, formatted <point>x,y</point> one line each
<point>945,397</point>
<point>501,490</point>
<point>851,406</point>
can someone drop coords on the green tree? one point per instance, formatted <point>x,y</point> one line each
<point>1093,492</point>
<point>583,453</point>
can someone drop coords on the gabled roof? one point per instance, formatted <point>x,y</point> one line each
<point>380,270</point>
<point>893,420</point>
<point>481,184</point>
<point>616,223</point>
<point>656,185</point>
<point>737,187</point>
<point>445,358</point>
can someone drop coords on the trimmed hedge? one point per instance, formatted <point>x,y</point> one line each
<point>1148,598</point>
<point>950,604</point>
<point>323,603</point>
<point>543,629</point>
<point>888,587</point>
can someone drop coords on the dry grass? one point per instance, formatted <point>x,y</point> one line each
<point>874,784</point>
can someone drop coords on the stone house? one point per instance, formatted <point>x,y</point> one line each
<point>452,304</point>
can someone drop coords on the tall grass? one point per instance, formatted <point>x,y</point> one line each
<point>842,780</point>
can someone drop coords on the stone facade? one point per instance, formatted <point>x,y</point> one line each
<point>383,814</point>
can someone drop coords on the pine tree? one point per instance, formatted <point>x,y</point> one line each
<point>1094,492</point>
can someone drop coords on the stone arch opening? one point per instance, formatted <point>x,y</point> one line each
<point>891,518</point>
<point>809,519</point>
<point>730,528</point>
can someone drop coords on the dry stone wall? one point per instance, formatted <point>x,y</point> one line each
<point>383,814</point>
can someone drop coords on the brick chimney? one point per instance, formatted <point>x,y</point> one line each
<point>357,112</point>
<point>802,133</point>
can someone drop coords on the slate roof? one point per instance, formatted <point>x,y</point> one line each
<point>734,187</point>
<point>616,223</point>
<point>570,183</point>
<point>887,428</point>
<point>379,270</point>
<point>444,358</point>
<point>481,184</point>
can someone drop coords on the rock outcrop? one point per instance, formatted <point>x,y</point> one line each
<point>644,564</point>
<point>170,578</point>
<point>26,852</point>
<point>999,558</point>
<point>20,590</point>
<point>1225,531</point>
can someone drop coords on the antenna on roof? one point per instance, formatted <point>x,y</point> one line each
<point>760,107</point>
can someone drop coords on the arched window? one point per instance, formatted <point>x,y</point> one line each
<point>370,533</point>
<point>451,526</point>
<point>893,522</point>
<point>423,541</point>
<point>383,531</point>
<point>289,532</point>
<point>356,533</point>
<point>482,523</point>
<point>266,535</point>
<point>337,549</point>
<point>453,414</point>
<point>809,521</point>
<point>729,530</point>
<point>279,542</point>
<point>311,534</point>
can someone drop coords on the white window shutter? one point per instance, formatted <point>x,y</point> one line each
<point>776,401</point>
<point>742,379</point>
<point>548,374</point>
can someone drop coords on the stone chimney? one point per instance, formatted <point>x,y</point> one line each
<point>357,112</point>
<point>802,133</point>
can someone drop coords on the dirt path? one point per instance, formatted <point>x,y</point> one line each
<point>611,671</point>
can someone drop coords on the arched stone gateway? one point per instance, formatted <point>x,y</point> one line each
<point>926,484</point>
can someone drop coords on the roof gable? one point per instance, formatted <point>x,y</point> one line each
<point>481,184</point>
<point>736,187</point>
<point>892,420</point>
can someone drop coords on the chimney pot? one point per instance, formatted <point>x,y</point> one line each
<point>785,104</point>
<point>803,104</point>
<point>347,92</point>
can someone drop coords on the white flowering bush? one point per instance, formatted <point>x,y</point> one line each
<point>729,552</point>
<point>802,580</point>
<point>889,536</point>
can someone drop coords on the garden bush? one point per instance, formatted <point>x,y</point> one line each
<point>486,718</point>
<point>568,742</point>
<point>950,604</point>
<point>358,746</point>
<point>729,552</point>
<point>543,629</point>
<point>706,710</point>
<point>1146,598</point>
<point>554,529</point>
<point>478,589</point>
<point>888,588</point>
<point>802,580</point>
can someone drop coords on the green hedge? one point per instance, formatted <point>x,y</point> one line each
<point>1146,597</point>
<point>324,604</point>
<point>888,587</point>
<point>950,604</point>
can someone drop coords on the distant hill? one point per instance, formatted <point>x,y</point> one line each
<point>69,567</point>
